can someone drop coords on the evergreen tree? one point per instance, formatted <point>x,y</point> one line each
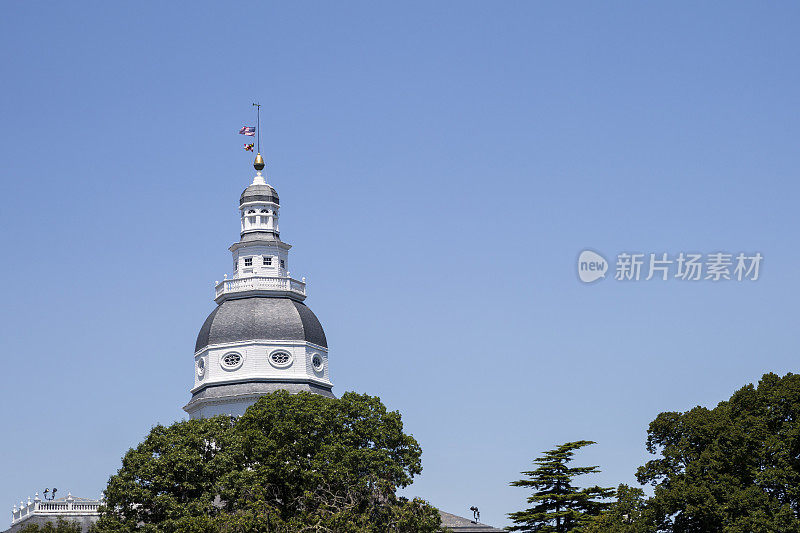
<point>559,506</point>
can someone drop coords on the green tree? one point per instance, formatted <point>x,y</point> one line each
<point>291,463</point>
<point>559,506</point>
<point>629,513</point>
<point>173,474</point>
<point>734,468</point>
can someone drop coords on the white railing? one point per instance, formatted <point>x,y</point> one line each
<point>67,506</point>
<point>261,283</point>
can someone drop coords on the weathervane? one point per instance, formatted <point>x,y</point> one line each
<point>252,131</point>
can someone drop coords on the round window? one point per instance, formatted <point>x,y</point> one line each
<point>317,362</point>
<point>280,359</point>
<point>231,361</point>
<point>201,367</point>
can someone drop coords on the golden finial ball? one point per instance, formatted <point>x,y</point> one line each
<point>258,164</point>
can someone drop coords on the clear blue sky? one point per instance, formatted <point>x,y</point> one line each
<point>440,166</point>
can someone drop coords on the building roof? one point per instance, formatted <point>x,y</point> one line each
<point>76,499</point>
<point>260,318</point>
<point>252,389</point>
<point>253,236</point>
<point>459,524</point>
<point>259,193</point>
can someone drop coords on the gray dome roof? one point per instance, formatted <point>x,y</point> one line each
<point>260,318</point>
<point>259,193</point>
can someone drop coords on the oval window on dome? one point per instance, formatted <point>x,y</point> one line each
<point>201,368</point>
<point>316,361</point>
<point>280,358</point>
<point>231,361</point>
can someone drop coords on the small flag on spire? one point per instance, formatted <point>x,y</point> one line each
<point>248,147</point>
<point>250,131</point>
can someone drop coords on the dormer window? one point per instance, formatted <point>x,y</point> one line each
<point>267,261</point>
<point>248,261</point>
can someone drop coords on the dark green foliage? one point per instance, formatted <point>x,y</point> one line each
<point>558,505</point>
<point>628,514</point>
<point>61,526</point>
<point>731,469</point>
<point>172,474</point>
<point>291,463</point>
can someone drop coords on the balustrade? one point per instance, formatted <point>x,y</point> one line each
<point>68,506</point>
<point>261,283</point>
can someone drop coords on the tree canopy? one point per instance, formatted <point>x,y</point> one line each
<point>298,462</point>
<point>558,505</point>
<point>629,513</point>
<point>734,468</point>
